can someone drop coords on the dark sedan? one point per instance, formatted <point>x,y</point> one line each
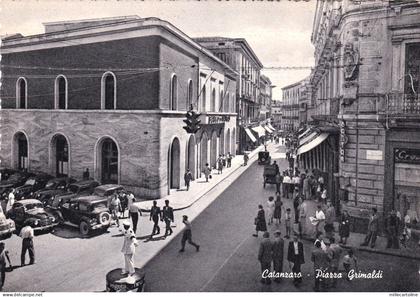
<point>32,184</point>
<point>53,187</point>
<point>80,188</point>
<point>15,180</point>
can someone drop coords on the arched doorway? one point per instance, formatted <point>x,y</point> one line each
<point>108,161</point>
<point>59,158</point>
<point>190,164</point>
<point>227,142</point>
<point>174,165</point>
<point>213,149</point>
<point>21,151</point>
<point>204,150</point>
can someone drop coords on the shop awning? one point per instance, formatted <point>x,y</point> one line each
<point>250,135</point>
<point>268,129</point>
<point>260,130</point>
<point>308,138</point>
<point>271,127</point>
<point>304,133</point>
<point>313,143</point>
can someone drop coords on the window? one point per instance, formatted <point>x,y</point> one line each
<point>190,94</point>
<point>61,92</point>
<point>109,91</point>
<point>213,100</point>
<point>222,102</point>
<point>21,93</point>
<point>174,93</point>
<point>412,69</point>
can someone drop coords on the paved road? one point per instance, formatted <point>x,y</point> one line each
<point>227,260</point>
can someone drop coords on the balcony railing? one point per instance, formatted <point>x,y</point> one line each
<point>403,104</point>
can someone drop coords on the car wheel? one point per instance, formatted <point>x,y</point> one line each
<point>84,228</point>
<point>104,218</point>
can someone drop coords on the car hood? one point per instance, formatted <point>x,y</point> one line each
<point>24,188</point>
<point>49,192</point>
<point>38,213</point>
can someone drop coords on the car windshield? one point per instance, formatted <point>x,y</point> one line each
<point>34,206</point>
<point>99,192</point>
<point>98,206</point>
<point>50,185</point>
<point>30,182</point>
<point>73,188</point>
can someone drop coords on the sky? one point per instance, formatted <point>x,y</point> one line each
<point>278,32</point>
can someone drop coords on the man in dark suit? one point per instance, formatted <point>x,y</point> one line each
<point>155,215</point>
<point>372,229</point>
<point>168,217</point>
<point>295,255</point>
<point>278,253</point>
<point>321,263</point>
<point>265,256</point>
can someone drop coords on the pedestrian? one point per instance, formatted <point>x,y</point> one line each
<point>4,255</point>
<point>334,253</point>
<point>86,174</point>
<point>296,202</point>
<point>133,212</point>
<point>319,219</point>
<point>229,160</point>
<point>278,205</point>
<point>246,158</point>
<point>10,200</point>
<point>115,207</point>
<point>279,181</point>
<point>319,238</point>
<point>321,263</point>
<point>349,263</point>
<point>188,178</point>
<point>296,181</point>
<point>288,222</point>
<point>155,215</point>
<point>220,165</point>
<point>324,196</point>
<point>373,227</point>
<point>270,209</point>
<point>406,231</point>
<point>260,223</point>
<point>344,229</point>
<point>277,167</point>
<point>207,172</point>
<point>329,220</point>
<point>168,217</point>
<point>296,257</point>
<point>224,160</point>
<point>302,208</point>
<point>27,235</point>
<point>128,249</point>
<point>306,188</point>
<point>124,202</point>
<point>187,235</point>
<point>286,185</point>
<point>392,227</point>
<point>265,257</point>
<point>278,254</point>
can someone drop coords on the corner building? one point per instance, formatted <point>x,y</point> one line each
<point>111,95</point>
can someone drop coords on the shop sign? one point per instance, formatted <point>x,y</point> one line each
<point>343,140</point>
<point>374,155</point>
<point>215,119</point>
<point>407,156</point>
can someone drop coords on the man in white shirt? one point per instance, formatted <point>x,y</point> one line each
<point>27,235</point>
<point>320,217</point>
<point>10,200</point>
<point>128,249</point>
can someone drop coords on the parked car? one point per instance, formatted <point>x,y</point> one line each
<point>89,213</point>
<point>53,187</point>
<point>15,180</point>
<point>5,173</point>
<point>77,189</point>
<point>109,189</point>
<point>7,227</point>
<point>32,184</point>
<point>32,212</point>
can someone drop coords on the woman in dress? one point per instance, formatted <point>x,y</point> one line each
<point>344,229</point>
<point>260,223</point>
<point>270,209</point>
<point>277,209</point>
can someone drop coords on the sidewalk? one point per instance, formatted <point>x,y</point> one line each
<point>181,198</point>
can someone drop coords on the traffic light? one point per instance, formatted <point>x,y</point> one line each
<point>192,121</point>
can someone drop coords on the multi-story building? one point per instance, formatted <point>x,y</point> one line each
<point>276,114</point>
<point>294,96</point>
<point>366,88</point>
<point>265,97</point>
<point>237,53</point>
<point>78,96</point>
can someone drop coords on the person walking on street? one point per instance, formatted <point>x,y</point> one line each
<point>86,174</point>
<point>288,222</point>
<point>27,235</point>
<point>302,208</point>
<point>270,209</point>
<point>229,160</point>
<point>372,229</point>
<point>278,205</point>
<point>265,257</point>
<point>260,223</point>
<point>4,255</point>
<point>168,217</point>
<point>334,253</point>
<point>115,208</point>
<point>246,158</point>
<point>133,212</point>
<point>392,227</point>
<point>306,188</point>
<point>187,235</point>
<point>278,254</point>
<point>128,249</point>
<point>286,185</point>
<point>155,215</point>
<point>329,220</point>
<point>220,165</point>
<point>188,178</point>
<point>321,263</point>
<point>279,181</point>
<point>296,257</point>
<point>344,229</point>
<point>319,219</point>
<point>10,200</point>
<point>224,160</point>
<point>207,172</point>
<point>319,238</point>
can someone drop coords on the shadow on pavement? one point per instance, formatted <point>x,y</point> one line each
<point>69,232</point>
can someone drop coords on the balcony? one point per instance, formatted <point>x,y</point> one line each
<point>403,105</point>
<point>327,110</point>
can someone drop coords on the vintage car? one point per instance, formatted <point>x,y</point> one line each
<point>77,189</point>
<point>264,158</point>
<point>53,187</point>
<point>15,180</point>
<point>7,227</point>
<point>88,213</point>
<point>269,175</point>
<point>5,173</point>
<point>32,212</point>
<point>32,184</point>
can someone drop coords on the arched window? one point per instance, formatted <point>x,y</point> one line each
<point>21,93</point>
<point>203,99</point>
<point>190,94</point>
<point>213,100</point>
<point>109,91</point>
<point>174,93</point>
<point>61,92</point>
